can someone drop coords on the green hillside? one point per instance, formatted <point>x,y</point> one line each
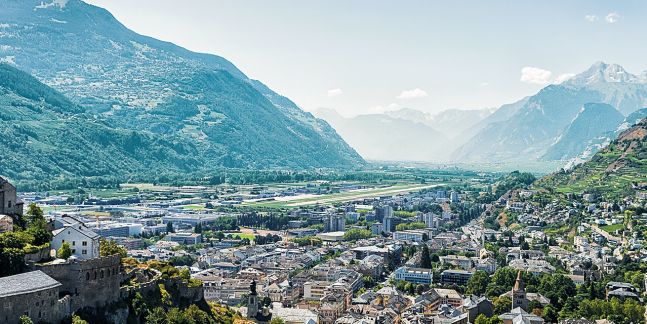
<point>615,171</point>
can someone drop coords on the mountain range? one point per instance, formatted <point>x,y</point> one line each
<point>164,93</point>
<point>405,134</point>
<point>554,123</point>
<point>565,122</point>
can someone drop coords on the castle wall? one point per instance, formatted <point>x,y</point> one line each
<point>90,283</point>
<point>40,306</point>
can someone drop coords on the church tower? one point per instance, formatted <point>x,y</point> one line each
<point>252,301</point>
<point>519,294</point>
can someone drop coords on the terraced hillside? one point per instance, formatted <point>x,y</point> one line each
<point>616,170</point>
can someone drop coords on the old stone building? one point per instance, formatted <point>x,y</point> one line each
<point>34,294</point>
<point>9,202</point>
<point>89,283</point>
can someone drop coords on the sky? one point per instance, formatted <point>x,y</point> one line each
<point>362,56</point>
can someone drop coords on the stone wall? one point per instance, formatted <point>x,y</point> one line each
<point>40,306</point>
<point>42,254</point>
<point>90,283</point>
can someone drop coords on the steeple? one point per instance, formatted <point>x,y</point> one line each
<point>518,284</point>
<point>519,294</point>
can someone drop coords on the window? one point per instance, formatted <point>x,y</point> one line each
<point>73,243</point>
<point>101,274</point>
<point>73,251</point>
<point>87,276</point>
<point>9,203</point>
<point>84,243</point>
<point>84,251</point>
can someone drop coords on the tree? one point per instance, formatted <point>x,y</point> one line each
<point>34,213</point>
<point>425,259</point>
<point>38,229</point>
<point>277,320</point>
<point>266,301</point>
<point>110,247</point>
<point>502,305</point>
<point>550,314</point>
<point>64,251</point>
<point>169,227</point>
<point>482,319</point>
<point>156,316</point>
<point>357,234</point>
<point>477,284</point>
<point>198,228</point>
<point>194,314</point>
<point>78,320</point>
<point>24,319</point>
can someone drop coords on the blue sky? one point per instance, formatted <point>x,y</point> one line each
<point>369,56</point>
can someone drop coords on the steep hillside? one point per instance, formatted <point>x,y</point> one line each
<point>526,130</point>
<point>134,82</point>
<point>46,136</point>
<point>590,125</point>
<point>615,170</point>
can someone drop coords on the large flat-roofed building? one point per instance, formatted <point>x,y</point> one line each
<point>410,235</point>
<point>184,238</point>
<point>331,236</point>
<point>191,220</point>
<point>414,275</point>
<point>33,294</point>
<point>459,277</point>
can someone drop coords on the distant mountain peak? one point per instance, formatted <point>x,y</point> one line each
<point>601,72</point>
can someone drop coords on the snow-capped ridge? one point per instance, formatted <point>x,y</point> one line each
<point>601,72</point>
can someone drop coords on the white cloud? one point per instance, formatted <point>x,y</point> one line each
<point>535,75</point>
<point>563,77</point>
<point>612,18</point>
<point>335,92</point>
<point>484,84</point>
<point>591,18</point>
<point>413,93</point>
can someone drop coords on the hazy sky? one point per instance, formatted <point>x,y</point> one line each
<point>365,56</point>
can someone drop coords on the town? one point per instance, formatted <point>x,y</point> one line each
<point>486,249</point>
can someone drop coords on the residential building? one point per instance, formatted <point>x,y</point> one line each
<point>184,238</point>
<point>410,235</point>
<point>383,212</point>
<point>83,242</point>
<point>415,275</point>
<point>459,277</point>
<point>334,223</point>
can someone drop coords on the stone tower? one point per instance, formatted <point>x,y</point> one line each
<point>519,294</point>
<point>252,301</point>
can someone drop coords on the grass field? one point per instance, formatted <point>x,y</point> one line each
<point>342,196</point>
<point>242,235</point>
<point>612,228</point>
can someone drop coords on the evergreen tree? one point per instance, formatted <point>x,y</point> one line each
<point>425,259</point>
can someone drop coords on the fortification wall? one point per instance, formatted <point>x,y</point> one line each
<point>90,283</point>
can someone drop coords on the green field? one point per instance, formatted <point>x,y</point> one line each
<point>612,228</point>
<point>242,235</point>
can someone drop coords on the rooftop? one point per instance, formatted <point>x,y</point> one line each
<point>27,282</point>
